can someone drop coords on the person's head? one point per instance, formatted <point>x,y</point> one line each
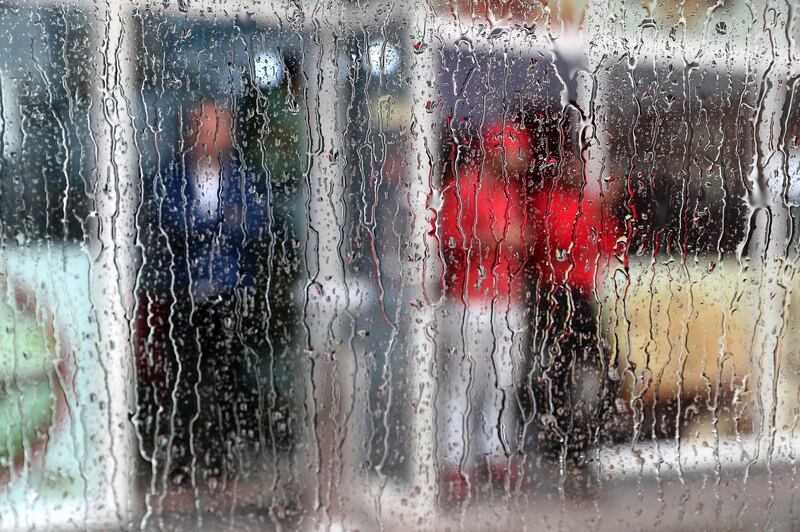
<point>212,125</point>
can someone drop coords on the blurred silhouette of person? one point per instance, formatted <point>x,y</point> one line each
<point>571,240</point>
<point>481,222</point>
<point>523,252</point>
<point>568,390</point>
<point>200,362</point>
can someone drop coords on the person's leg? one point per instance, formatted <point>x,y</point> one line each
<point>570,381</point>
<point>452,386</point>
<point>477,409</point>
<point>216,423</point>
<point>501,416</point>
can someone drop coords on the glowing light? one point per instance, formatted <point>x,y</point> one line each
<point>269,70</point>
<point>379,51</point>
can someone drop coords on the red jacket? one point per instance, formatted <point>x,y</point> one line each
<point>570,237</point>
<point>498,230</point>
<point>481,224</point>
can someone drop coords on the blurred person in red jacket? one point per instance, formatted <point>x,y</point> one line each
<point>481,221</point>
<point>523,253</point>
<point>571,236</point>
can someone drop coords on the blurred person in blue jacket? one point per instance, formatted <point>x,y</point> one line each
<point>213,210</point>
<point>215,298</point>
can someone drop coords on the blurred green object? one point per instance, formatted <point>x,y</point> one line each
<point>27,400</point>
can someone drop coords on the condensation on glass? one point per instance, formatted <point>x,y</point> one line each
<point>429,265</point>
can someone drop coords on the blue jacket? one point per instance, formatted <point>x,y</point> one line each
<point>213,216</point>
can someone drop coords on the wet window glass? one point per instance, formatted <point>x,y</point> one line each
<point>440,264</point>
